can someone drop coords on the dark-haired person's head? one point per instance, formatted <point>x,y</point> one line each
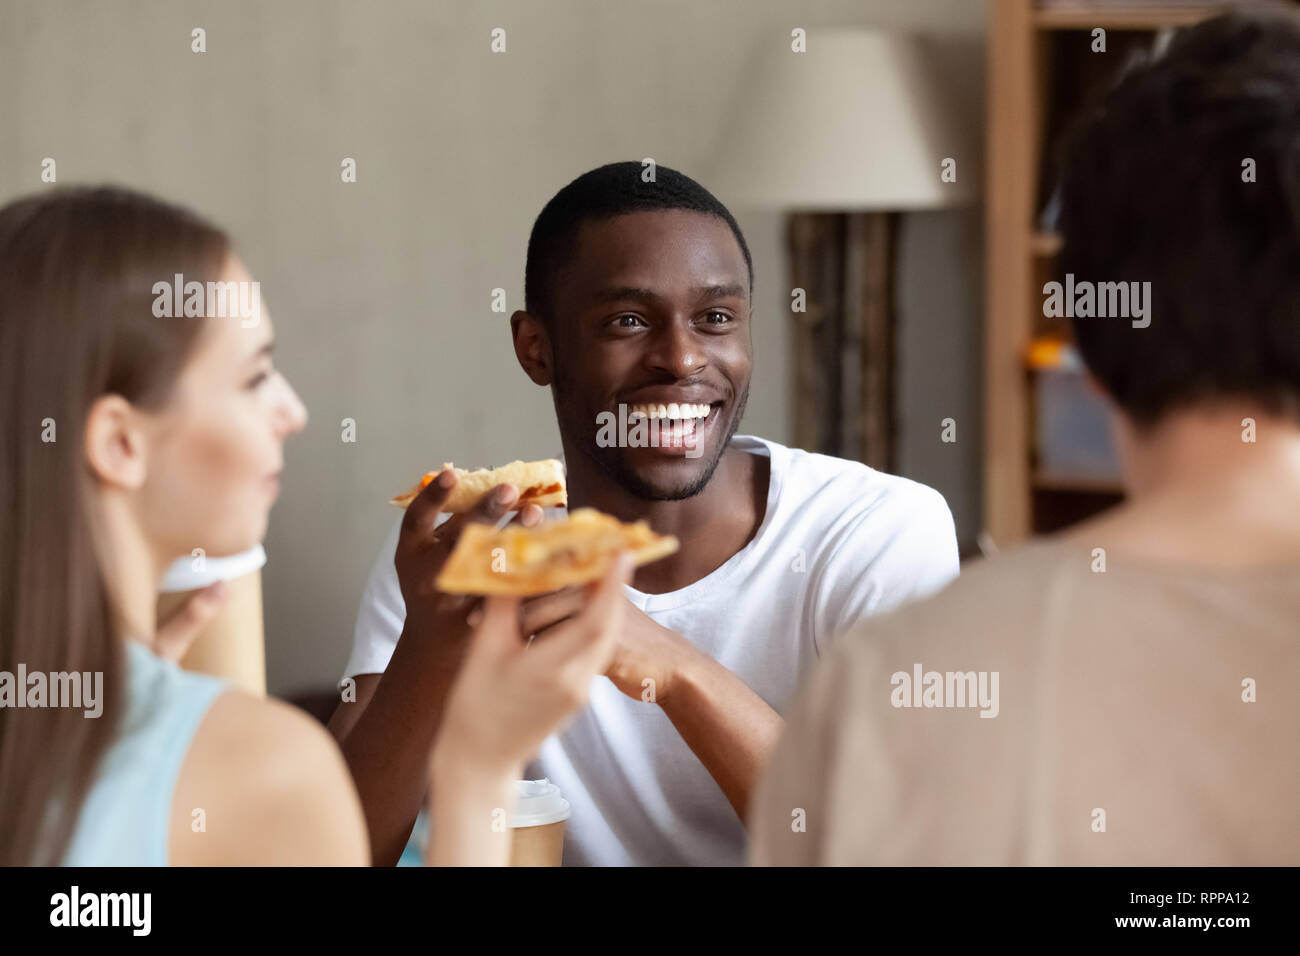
<point>637,294</point>
<point>135,430</point>
<point>1188,178</point>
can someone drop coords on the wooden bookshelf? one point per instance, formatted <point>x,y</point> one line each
<point>1041,72</point>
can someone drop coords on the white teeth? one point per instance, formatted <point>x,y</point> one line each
<point>673,411</point>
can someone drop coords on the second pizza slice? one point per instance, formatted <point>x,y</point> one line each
<point>523,561</point>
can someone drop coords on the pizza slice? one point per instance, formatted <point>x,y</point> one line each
<point>539,482</point>
<point>523,561</point>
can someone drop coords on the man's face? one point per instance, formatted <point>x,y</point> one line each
<point>653,310</point>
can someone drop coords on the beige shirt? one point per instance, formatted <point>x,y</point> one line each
<point>1125,732</point>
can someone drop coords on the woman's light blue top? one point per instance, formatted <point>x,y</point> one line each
<point>126,816</point>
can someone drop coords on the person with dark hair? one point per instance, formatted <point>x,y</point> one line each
<point>139,425</point>
<point>618,189</point>
<point>637,317</point>
<point>1137,670</point>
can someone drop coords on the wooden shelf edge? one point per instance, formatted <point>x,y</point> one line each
<point>1045,245</point>
<point>1086,16</point>
<point>1045,481</point>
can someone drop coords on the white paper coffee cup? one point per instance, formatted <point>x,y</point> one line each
<point>538,824</point>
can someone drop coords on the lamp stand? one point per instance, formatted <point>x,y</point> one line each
<point>844,341</point>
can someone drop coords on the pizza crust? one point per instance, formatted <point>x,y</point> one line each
<point>539,482</point>
<point>523,561</point>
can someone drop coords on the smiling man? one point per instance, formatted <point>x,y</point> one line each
<point>638,303</point>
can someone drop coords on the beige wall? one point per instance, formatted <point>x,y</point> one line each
<point>380,289</point>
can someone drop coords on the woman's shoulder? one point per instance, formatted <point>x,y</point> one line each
<point>264,784</point>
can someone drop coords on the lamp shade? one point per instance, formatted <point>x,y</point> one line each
<point>860,121</point>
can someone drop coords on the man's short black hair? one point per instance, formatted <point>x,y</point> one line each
<point>603,193</point>
<point>1153,190</point>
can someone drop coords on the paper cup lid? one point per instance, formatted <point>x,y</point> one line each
<point>537,803</point>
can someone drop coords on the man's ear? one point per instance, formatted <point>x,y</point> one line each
<point>114,443</point>
<point>532,346</point>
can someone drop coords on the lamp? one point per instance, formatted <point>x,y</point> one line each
<point>844,136</point>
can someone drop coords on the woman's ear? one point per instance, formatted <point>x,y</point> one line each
<point>532,346</point>
<point>115,444</point>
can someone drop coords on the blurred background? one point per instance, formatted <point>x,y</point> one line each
<point>910,351</point>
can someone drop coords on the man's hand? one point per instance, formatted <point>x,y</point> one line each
<point>387,744</point>
<point>423,548</point>
<point>728,726</point>
<point>648,657</point>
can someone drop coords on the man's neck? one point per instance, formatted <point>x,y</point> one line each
<point>1200,492</point>
<point>711,526</point>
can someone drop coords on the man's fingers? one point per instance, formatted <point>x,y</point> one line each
<point>488,510</point>
<point>591,633</point>
<point>494,505</point>
<point>174,636</point>
<point>422,535</point>
<point>530,515</point>
<point>546,610</point>
<point>421,518</point>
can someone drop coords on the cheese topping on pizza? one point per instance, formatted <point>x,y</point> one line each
<point>554,554</point>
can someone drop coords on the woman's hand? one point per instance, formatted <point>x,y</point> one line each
<point>173,637</point>
<point>509,696</point>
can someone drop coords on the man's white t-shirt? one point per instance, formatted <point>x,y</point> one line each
<point>839,541</point>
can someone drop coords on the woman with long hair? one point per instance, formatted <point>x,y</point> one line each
<point>135,431</point>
